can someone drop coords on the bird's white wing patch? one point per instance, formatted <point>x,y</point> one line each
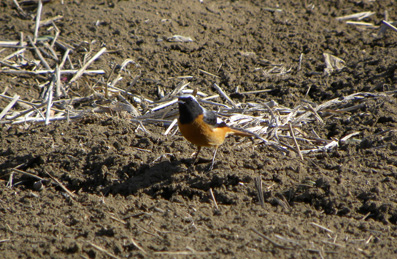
<point>219,120</point>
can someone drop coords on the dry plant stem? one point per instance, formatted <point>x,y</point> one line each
<point>164,105</point>
<point>20,10</point>
<point>316,251</point>
<point>214,200</point>
<point>10,179</point>
<point>256,91</point>
<point>271,241</point>
<point>368,24</point>
<point>45,64</point>
<point>34,107</point>
<point>207,73</point>
<point>386,14</point>
<point>182,253</point>
<point>39,112</point>
<point>292,115</point>
<point>49,71</point>
<point>72,195</point>
<point>274,120</point>
<point>190,91</point>
<point>118,220</point>
<point>333,243</point>
<point>133,82</point>
<point>27,174</point>
<point>288,240</point>
<point>50,20</point>
<point>9,106</point>
<point>318,117</point>
<point>21,39</point>
<point>57,32</point>
<point>10,65</point>
<point>328,146</point>
<point>369,239</point>
<point>137,245</point>
<point>389,25</point>
<point>123,65</point>
<point>37,24</point>
<point>181,77</point>
<point>131,94</point>
<point>49,103</point>
<point>349,109</point>
<point>222,93</point>
<point>143,128</point>
<point>65,56</point>
<point>167,112</point>
<point>205,100</point>
<point>107,83</point>
<point>322,227</point>
<point>52,51</point>
<point>103,250</point>
<point>300,62</point>
<point>135,112</point>
<point>41,120</point>
<point>12,44</point>
<point>14,54</point>
<point>349,136</point>
<point>282,201</point>
<point>295,142</point>
<point>177,90</point>
<point>58,83</point>
<point>358,16</point>
<point>170,127</point>
<point>81,71</point>
<point>258,186</point>
<point>273,9</point>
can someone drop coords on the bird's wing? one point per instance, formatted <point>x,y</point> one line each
<point>211,119</point>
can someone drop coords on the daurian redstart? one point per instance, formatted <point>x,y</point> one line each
<point>202,127</point>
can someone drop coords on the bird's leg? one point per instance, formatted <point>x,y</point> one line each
<point>213,160</point>
<point>196,155</point>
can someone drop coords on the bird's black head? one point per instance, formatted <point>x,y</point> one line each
<point>189,108</point>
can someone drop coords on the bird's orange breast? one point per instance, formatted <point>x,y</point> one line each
<point>202,134</point>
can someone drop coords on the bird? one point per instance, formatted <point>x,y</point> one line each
<point>203,127</point>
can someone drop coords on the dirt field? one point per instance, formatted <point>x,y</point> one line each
<point>135,193</point>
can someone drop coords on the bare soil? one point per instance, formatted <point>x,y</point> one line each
<point>137,195</point>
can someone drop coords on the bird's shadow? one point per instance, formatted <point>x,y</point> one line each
<point>166,179</point>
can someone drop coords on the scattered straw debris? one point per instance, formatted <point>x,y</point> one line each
<point>214,200</point>
<point>270,240</point>
<point>109,254</point>
<point>190,251</point>
<point>322,227</point>
<point>258,186</point>
<point>385,26</point>
<point>332,63</point>
<point>357,16</point>
<point>40,180</point>
<point>275,125</point>
<point>179,38</point>
<point>48,71</point>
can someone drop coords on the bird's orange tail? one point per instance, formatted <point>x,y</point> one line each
<point>246,133</point>
<point>243,133</point>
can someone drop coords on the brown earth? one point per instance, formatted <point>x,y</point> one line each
<point>137,196</point>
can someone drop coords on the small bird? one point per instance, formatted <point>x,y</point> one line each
<point>202,127</point>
